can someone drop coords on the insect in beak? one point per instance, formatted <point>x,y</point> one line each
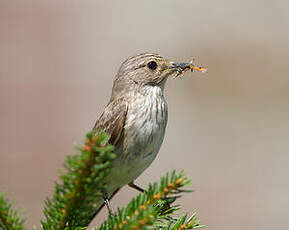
<point>182,67</point>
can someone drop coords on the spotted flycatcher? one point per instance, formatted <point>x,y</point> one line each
<point>136,117</point>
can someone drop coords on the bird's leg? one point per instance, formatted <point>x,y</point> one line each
<point>133,185</point>
<point>107,203</point>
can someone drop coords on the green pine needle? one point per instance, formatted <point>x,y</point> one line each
<point>152,209</point>
<point>9,217</point>
<point>72,205</point>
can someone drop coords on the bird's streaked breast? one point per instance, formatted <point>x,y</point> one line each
<point>143,133</point>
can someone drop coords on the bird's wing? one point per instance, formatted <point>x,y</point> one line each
<point>113,119</point>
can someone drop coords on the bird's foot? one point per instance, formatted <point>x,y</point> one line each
<point>107,204</point>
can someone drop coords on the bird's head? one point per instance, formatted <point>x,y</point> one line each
<point>148,70</point>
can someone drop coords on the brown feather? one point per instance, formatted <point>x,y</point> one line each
<point>112,119</point>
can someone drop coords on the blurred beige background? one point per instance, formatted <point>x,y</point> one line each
<point>228,129</point>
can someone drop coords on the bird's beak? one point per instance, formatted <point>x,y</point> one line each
<point>177,65</point>
<point>182,67</point>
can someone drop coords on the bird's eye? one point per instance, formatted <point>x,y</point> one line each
<point>152,65</point>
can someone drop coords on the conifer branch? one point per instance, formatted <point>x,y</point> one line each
<point>152,208</point>
<point>182,223</point>
<point>72,205</point>
<point>9,217</point>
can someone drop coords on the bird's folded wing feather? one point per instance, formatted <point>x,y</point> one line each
<point>112,120</point>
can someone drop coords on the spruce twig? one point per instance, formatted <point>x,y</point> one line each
<point>9,217</point>
<point>152,208</point>
<point>72,206</point>
<point>182,223</point>
<point>73,203</point>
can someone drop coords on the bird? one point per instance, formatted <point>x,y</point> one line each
<point>136,117</point>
